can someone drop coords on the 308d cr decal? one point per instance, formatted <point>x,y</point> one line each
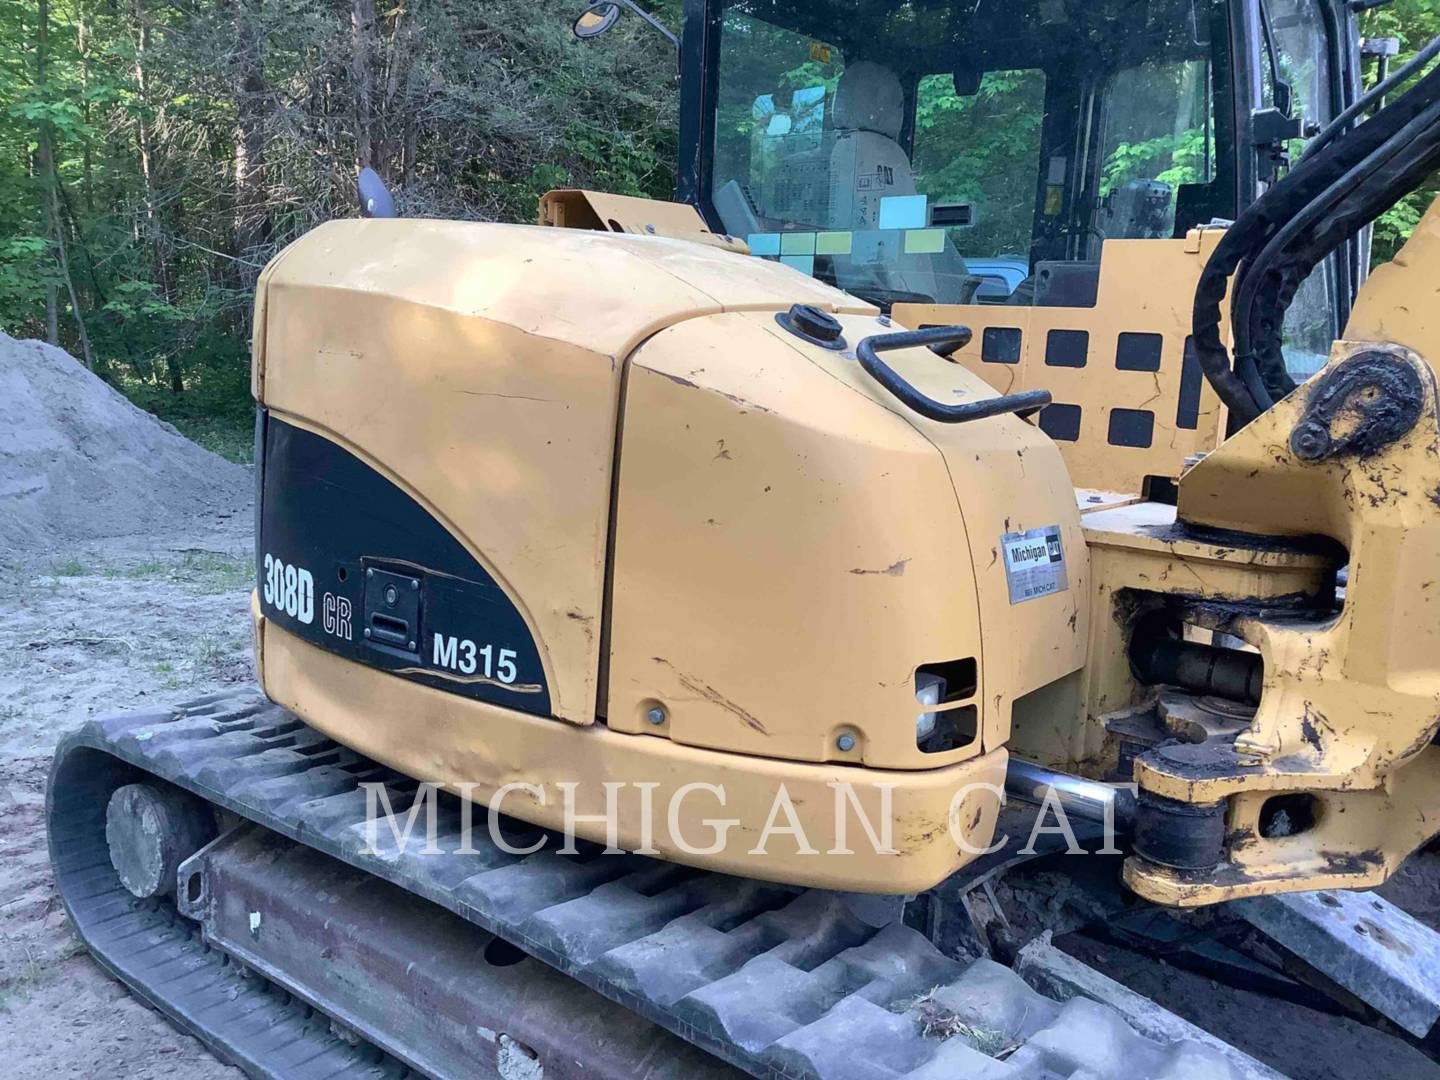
<point>351,563</point>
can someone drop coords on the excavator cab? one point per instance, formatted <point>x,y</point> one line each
<point>948,153</point>
<point>1014,168</point>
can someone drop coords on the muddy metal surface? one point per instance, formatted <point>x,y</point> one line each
<point>120,624</point>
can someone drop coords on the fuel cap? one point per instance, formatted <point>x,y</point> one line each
<point>813,325</point>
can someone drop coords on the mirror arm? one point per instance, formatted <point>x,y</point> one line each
<point>652,20</point>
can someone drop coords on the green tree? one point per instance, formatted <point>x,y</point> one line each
<point>1413,22</point>
<point>158,154</point>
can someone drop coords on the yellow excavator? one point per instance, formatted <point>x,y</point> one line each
<point>655,606</point>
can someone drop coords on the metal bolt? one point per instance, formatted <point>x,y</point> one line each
<point>884,320</point>
<point>370,572</point>
<point>650,229</point>
<point>1310,441</point>
<point>392,594</point>
<point>410,645</point>
<point>367,631</point>
<point>846,743</point>
<point>657,715</point>
<point>414,583</point>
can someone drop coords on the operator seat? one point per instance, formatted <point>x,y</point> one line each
<point>867,164</point>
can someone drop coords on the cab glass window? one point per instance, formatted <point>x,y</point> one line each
<point>980,149</point>
<point>1303,62</point>
<point>949,153</point>
<point>775,89</point>
<point>1159,137</point>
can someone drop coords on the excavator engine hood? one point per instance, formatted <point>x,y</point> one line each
<point>603,481</point>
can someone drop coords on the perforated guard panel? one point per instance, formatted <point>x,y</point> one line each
<point>778,981</point>
<point>1127,350</point>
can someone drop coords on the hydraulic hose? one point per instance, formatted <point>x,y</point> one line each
<point>1258,367</point>
<point>1290,258</point>
<point>1242,387</point>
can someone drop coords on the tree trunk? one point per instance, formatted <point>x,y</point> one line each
<point>52,314</point>
<point>362,74</point>
<point>45,166</point>
<point>252,211</point>
<point>87,165</point>
<point>63,257</point>
<point>394,117</point>
<point>49,185</point>
<point>154,229</point>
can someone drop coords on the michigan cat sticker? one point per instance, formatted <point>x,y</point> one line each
<point>1034,563</point>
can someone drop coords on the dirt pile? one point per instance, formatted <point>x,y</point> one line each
<point>79,462</point>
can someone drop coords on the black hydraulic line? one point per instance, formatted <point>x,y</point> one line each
<point>1266,323</point>
<point>1243,305</point>
<point>1275,382</point>
<point>948,337</point>
<point>1351,180</point>
<point>1374,95</point>
<point>1258,223</point>
<point>1278,291</point>
<point>1349,217</point>
<point>1375,182</point>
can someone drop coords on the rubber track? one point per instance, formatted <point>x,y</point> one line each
<point>780,982</point>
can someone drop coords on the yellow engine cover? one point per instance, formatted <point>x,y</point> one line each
<point>726,542</point>
<point>791,544</point>
<point>479,368</point>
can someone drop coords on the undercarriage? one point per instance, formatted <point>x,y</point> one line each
<point>281,951</point>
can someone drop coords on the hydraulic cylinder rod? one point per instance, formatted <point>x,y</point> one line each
<point>1090,800</point>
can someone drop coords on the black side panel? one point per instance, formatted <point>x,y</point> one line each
<point>351,563</point>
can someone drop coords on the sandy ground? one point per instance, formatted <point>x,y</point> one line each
<point>120,624</point>
<point>106,625</point>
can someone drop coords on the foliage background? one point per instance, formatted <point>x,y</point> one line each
<point>156,153</point>
<point>1414,22</point>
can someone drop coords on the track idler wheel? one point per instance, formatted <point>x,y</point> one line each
<point>150,830</point>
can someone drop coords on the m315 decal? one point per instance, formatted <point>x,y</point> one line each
<point>351,563</point>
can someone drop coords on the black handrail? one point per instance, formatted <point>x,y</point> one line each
<point>948,338</point>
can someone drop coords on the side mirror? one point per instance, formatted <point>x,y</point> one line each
<point>375,198</point>
<point>601,15</point>
<point>595,20</point>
